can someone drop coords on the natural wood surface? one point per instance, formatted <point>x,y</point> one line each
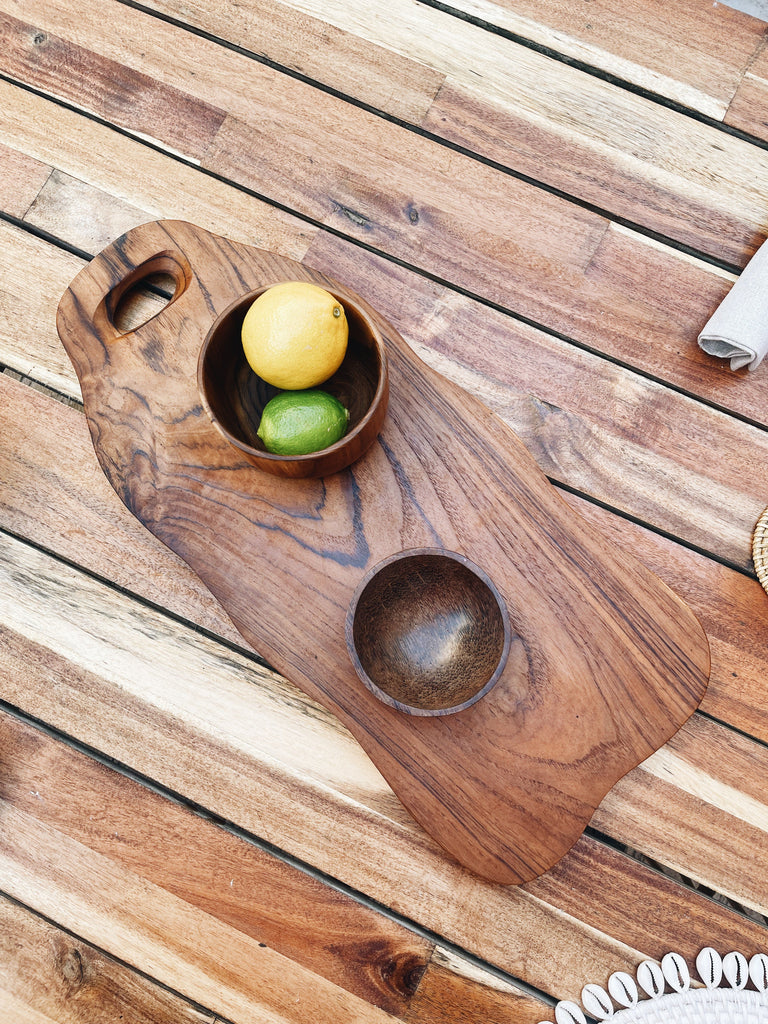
<point>609,712</point>
<point>48,975</point>
<point>647,163</point>
<point>696,58</point>
<point>545,200</point>
<point>74,512</point>
<point>747,110</point>
<point>709,478</point>
<point>139,684</point>
<point>638,301</point>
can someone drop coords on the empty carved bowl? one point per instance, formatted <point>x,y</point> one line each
<point>234,396</point>
<point>428,632</point>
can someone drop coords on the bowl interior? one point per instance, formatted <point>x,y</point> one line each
<point>428,632</point>
<point>236,396</point>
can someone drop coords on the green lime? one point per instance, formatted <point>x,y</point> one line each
<point>300,422</point>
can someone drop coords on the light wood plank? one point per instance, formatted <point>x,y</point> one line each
<point>85,217</point>
<point>167,703</point>
<point>121,171</point>
<point>71,508</point>
<point>252,892</point>
<point>707,792</point>
<point>183,124</point>
<point>215,966</point>
<point>748,107</point>
<point>695,54</point>
<point>47,976</point>
<point>327,50</point>
<point>27,305</point>
<point>546,119</point>
<point>632,299</point>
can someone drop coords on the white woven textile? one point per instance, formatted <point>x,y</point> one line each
<point>731,990</point>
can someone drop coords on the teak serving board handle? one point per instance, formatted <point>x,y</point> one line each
<point>605,662</point>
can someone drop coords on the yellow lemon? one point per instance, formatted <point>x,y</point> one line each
<point>295,335</point>
<point>300,422</point>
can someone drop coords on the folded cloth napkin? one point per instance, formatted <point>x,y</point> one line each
<point>738,329</point>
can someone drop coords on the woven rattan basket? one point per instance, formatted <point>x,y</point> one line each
<point>760,549</point>
<point>732,990</point>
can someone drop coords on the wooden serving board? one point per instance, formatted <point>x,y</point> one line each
<point>605,663</point>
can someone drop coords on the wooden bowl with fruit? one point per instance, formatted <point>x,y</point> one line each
<point>295,378</point>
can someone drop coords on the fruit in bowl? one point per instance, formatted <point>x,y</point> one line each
<point>300,422</point>
<point>295,336</point>
<point>338,331</point>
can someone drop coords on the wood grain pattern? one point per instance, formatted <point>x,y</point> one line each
<point>709,482</point>
<point>543,118</point>
<point>387,149</point>
<point>249,890</point>
<point>723,795</point>
<point>48,976</point>
<point>658,656</point>
<point>696,58</point>
<point>639,302</point>
<point>216,966</point>
<point>546,390</point>
<point>21,178</point>
<point>112,91</point>
<point>117,167</point>
<point>747,110</point>
<point>137,684</point>
<point>61,501</point>
<point>328,51</point>
<point>54,493</point>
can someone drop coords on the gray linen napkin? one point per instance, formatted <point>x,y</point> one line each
<point>738,329</point>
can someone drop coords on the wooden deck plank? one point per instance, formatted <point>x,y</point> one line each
<point>54,492</point>
<point>21,178</point>
<point>700,785</point>
<point>265,758</point>
<point>123,173</point>
<point>636,300</point>
<point>696,58</point>
<point>48,976</point>
<point>181,946</point>
<point>543,118</point>
<point>747,110</point>
<point>233,881</point>
<point>27,308</point>
<point>38,56</point>
<point>73,512</point>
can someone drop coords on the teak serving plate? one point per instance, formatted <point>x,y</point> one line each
<point>597,663</point>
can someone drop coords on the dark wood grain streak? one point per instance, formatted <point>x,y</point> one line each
<point>609,653</point>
